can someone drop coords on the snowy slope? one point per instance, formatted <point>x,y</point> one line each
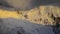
<point>15,26</point>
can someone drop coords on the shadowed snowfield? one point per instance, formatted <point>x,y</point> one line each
<point>14,26</point>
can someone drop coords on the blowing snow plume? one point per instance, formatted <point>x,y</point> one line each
<point>27,4</point>
<point>17,4</point>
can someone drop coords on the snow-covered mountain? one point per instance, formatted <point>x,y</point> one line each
<point>29,17</point>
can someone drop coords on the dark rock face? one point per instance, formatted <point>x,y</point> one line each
<point>56,27</point>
